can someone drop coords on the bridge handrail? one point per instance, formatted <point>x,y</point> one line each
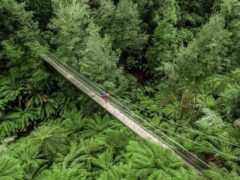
<point>128,113</point>
<point>97,91</point>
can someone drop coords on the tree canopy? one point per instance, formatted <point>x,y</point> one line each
<point>175,63</point>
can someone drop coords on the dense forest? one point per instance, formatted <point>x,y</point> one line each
<point>176,63</point>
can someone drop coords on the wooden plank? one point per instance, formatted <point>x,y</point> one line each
<point>130,123</point>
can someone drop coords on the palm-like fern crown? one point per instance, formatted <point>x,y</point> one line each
<point>151,160</point>
<point>10,168</point>
<point>50,140</point>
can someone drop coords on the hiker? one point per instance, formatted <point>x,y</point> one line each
<point>106,97</point>
<point>102,94</point>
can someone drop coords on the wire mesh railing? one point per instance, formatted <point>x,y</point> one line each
<point>97,90</point>
<point>139,121</point>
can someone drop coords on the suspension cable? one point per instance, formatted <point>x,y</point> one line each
<point>185,127</point>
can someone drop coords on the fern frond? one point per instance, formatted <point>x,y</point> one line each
<point>7,128</point>
<point>10,168</point>
<point>172,110</point>
<point>22,118</point>
<point>51,140</point>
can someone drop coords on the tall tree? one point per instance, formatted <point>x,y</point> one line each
<point>42,11</point>
<point>194,13</point>
<point>22,72</point>
<point>207,53</point>
<point>100,61</point>
<point>70,23</point>
<point>105,15</point>
<point>231,12</point>
<point>126,27</point>
<point>164,38</point>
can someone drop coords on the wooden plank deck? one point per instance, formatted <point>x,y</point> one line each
<point>127,120</point>
<point>130,123</point>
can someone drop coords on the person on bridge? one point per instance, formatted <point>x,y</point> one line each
<point>103,93</point>
<point>106,97</point>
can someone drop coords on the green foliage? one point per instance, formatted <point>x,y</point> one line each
<point>10,168</point>
<point>125,30</point>
<point>7,128</point>
<point>50,140</point>
<point>98,126</point>
<point>230,97</point>
<point>105,15</point>
<point>151,161</point>
<point>28,155</point>
<point>164,37</point>
<point>99,61</point>
<point>168,45</point>
<point>42,11</point>
<point>61,173</point>
<point>210,119</point>
<point>69,22</point>
<point>231,12</point>
<point>227,88</point>
<point>172,110</point>
<point>19,49</point>
<point>118,173</point>
<point>117,140</point>
<point>22,119</point>
<point>48,108</point>
<point>221,174</point>
<point>10,90</point>
<point>74,121</point>
<point>207,53</point>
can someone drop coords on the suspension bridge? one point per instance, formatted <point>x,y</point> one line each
<point>137,124</point>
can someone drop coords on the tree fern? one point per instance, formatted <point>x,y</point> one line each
<point>220,174</point>
<point>204,147</point>
<point>147,158</point>
<point>216,83</point>
<point>48,108</point>
<point>172,110</point>
<point>71,159</point>
<point>186,174</point>
<point>35,100</point>
<point>9,93</point>
<point>22,118</point>
<point>120,172</point>
<point>10,89</point>
<point>61,173</point>
<point>28,154</point>
<point>97,126</point>
<point>117,139</point>
<point>206,102</point>
<point>74,121</point>
<point>84,155</point>
<point>92,146</point>
<point>7,128</point>
<point>105,160</point>
<point>45,106</point>
<point>236,74</point>
<point>10,169</point>
<point>50,140</point>
<point>89,150</point>
<point>159,174</point>
<point>230,100</point>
